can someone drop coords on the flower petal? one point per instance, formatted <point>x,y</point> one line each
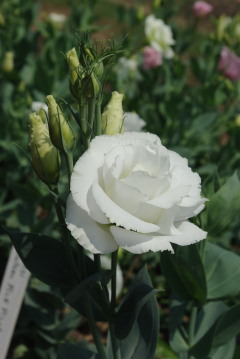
<point>92,236</point>
<point>117,215</point>
<point>135,242</point>
<point>189,234</point>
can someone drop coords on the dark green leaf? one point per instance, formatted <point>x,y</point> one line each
<point>224,206</point>
<point>224,352</point>
<point>228,326</point>
<point>45,257</point>
<point>185,273</point>
<point>141,341</point>
<point>93,286</point>
<point>71,351</point>
<point>218,326</point>
<point>222,269</point>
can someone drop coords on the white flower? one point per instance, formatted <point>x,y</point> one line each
<point>159,36</point>
<point>130,64</point>
<point>57,18</point>
<point>132,122</point>
<point>37,106</point>
<point>128,190</point>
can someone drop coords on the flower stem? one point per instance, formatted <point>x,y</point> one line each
<point>91,114</point>
<point>69,160</point>
<point>192,327</point>
<point>97,262</point>
<point>98,131</point>
<point>114,280</point>
<point>64,233</point>
<point>93,327</point>
<point>113,304</point>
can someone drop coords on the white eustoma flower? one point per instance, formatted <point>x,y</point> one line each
<point>128,190</point>
<point>159,36</point>
<point>132,122</point>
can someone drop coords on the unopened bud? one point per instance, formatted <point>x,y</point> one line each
<point>112,117</point>
<point>45,157</point>
<point>2,19</point>
<point>91,86</point>
<point>74,64</point>
<point>8,62</point>
<point>60,131</point>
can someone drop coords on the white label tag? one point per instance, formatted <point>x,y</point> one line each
<point>14,283</point>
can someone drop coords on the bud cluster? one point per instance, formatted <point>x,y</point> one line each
<point>54,136</point>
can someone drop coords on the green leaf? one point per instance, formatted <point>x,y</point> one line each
<point>185,273</point>
<point>223,207</point>
<point>227,327</point>
<point>222,269</point>
<point>138,294</point>
<point>141,341</point>
<point>219,326</point>
<point>93,286</point>
<point>45,257</point>
<point>225,351</point>
<point>71,351</point>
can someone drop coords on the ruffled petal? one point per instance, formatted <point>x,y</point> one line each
<point>119,216</point>
<point>189,233</point>
<point>135,242</point>
<point>94,237</point>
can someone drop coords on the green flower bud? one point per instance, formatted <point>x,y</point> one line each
<point>75,70</point>
<point>60,132</point>
<point>45,157</point>
<point>112,117</point>
<point>8,62</point>
<point>86,53</point>
<point>74,65</point>
<point>2,19</point>
<point>91,86</point>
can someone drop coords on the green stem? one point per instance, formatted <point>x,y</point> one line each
<point>97,262</point>
<point>116,354</point>
<point>84,126</point>
<point>69,160</point>
<point>64,233</point>
<point>114,280</point>
<point>98,119</point>
<point>113,304</point>
<point>93,327</point>
<point>91,114</point>
<point>192,327</point>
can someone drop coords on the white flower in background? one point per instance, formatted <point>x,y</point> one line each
<point>128,190</point>
<point>130,64</point>
<point>132,122</point>
<point>37,106</point>
<point>58,20</point>
<point>159,35</point>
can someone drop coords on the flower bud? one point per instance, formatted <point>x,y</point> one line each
<point>45,157</point>
<point>2,19</point>
<point>60,132</point>
<point>87,57</point>
<point>74,64</point>
<point>112,117</point>
<point>91,86</point>
<point>8,62</point>
<point>75,70</point>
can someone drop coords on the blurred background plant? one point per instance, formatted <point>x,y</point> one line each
<point>191,99</point>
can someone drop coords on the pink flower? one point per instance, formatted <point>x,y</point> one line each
<point>151,58</point>
<point>229,64</point>
<point>202,8</point>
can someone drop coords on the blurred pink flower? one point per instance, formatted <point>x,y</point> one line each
<point>229,64</point>
<point>151,58</point>
<point>202,8</point>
